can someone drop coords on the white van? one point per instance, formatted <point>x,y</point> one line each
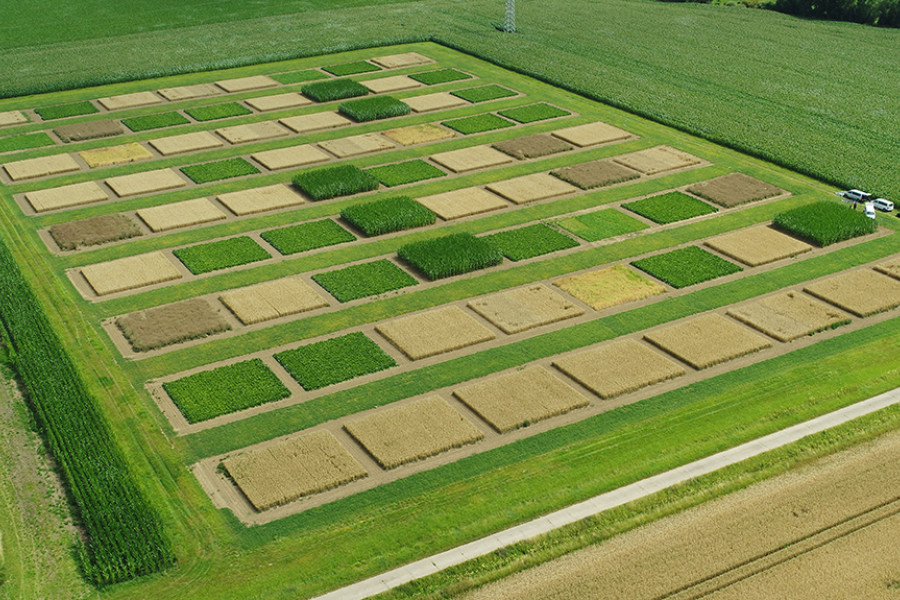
<point>857,196</point>
<point>883,205</point>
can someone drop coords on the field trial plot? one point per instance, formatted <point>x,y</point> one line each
<point>171,323</point>
<point>128,273</point>
<point>186,142</point>
<point>93,231</point>
<point>271,300</point>
<point>39,167</point>
<point>434,332</point>
<point>609,287</point>
<point>597,173</point>
<point>707,340</point>
<point>734,189</point>
<point>115,155</point>
<point>66,196</point>
<point>145,183</point>
<point>315,122</point>
<point>862,292</point>
<point>419,134</point>
<point>261,199</point>
<point>438,101</point>
<point>293,156</point>
<point>592,134</point>
<point>357,144</point>
<point>890,267</point>
<point>530,188</point>
<point>788,315</point>
<point>462,203</point>
<point>470,159</point>
<point>525,308</point>
<point>180,214</point>
<point>533,146</point>
<point>656,160</point>
<point>758,245</point>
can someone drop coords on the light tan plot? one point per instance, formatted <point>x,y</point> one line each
<point>608,287</point>
<point>462,203</point>
<point>244,84</point>
<point>707,340</point>
<point>39,167</point>
<point>294,156</point>
<point>186,142</point>
<point>591,134</point>
<point>469,159</point>
<point>862,292</point>
<point>510,401</point>
<point>890,267</point>
<point>146,182</point>
<point>524,308</point>
<point>434,332</point>
<point>278,101</point>
<point>391,84</point>
<point>656,160</point>
<point>414,431</point>
<point>66,196</point>
<point>272,299</point>
<point>788,315</point>
<point>357,144</point>
<point>397,61</point>
<point>180,214</point>
<point>438,101</point>
<point>115,155</point>
<point>12,117</point>
<point>130,272</point>
<point>315,121</point>
<point>419,134</point>
<point>130,100</point>
<point>186,92</point>
<point>297,467</point>
<point>530,188</point>
<point>757,245</point>
<point>618,368</point>
<point>252,132</point>
<point>260,199</point>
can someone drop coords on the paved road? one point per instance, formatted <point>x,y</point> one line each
<point>597,504</point>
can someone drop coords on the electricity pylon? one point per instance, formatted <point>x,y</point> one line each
<point>509,26</point>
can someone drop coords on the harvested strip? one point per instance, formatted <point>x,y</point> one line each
<point>609,287</point>
<point>414,431</point>
<point>130,100</point>
<point>439,101</point>
<point>862,292</point>
<point>278,101</point>
<point>186,142</point>
<point>656,160</point>
<point>89,131</point>
<point>758,245</point>
<point>618,368</point>
<point>39,167</point>
<point>66,196</point>
<point>315,121</point>
<point>462,203</point>
<point>596,173</point>
<point>418,134</point>
<point>244,84</point>
<point>707,340</point>
<point>391,84</point>
<point>241,134</point>
<point>260,199</point>
<point>890,267</point>
<point>434,332</point>
<point>530,188</point>
<point>300,466</point>
<point>271,300</point>
<point>94,231</point>
<point>524,308</point>
<point>734,189</point>
<point>591,134</point>
<point>115,155</point>
<point>469,159</point>
<point>146,182</point>
<point>789,315</point>
<point>397,61</point>
<point>520,398</point>
<point>12,117</point>
<point>293,156</point>
<point>357,144</point>
<point>187,92</point>
<point>180,214</point>
<point>532,146</point>
<point>170,324</point>
<point>130,272</point>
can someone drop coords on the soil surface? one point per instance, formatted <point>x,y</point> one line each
<point>533,146</point>
<point>733,189</point>
<point>95,230</point>
<point>89,131</point>
<point>164,325</point>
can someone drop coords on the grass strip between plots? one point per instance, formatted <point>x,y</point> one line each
<point>331,182</point>
<point>601,224</point>
<point>307,236</point>
<point>157,121</point>
<point>686,266</point>
<point>222,169</point>
<point>298,76</point>
<point>374,108</point>
<point>387,215</point>
<point>484,93</point>
<point>24,142</point>
<point>670,207</point>
<point>534,112</point>
<point>440,76</point>
<point>367,279</point>
<point>48,113</point>
<point>450,255</point>
<point>823,223</point>
<point>218,111</point>
<point>406,172</point>
<point>352,68</point>
<point>478,123</point>
<point>333,89</point>
<point>334,360</point>
<point>530,241</point>
<point>223,254</point>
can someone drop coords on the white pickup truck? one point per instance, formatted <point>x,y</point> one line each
<point>858,196</point>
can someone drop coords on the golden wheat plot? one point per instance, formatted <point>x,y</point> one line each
<point>115,155</point>
<point>130,100</point>
<point>469,159</point>
<point>130,272</point>
<point>524,308</point>
<point>38,167</point>
<point>758,245</point>
<point>272,299</point>
<point>66,196</point>
<point>788,315</point>
<point>419,134</point>
<point>398,61</point>
<point>394,83</point>
<point>434,332</point>
<point>530,188</point>
<point>186,142</point>
<point>438,101</point>
<point>707,340</point>
<point>591,134</point>
<point>145,183</point>
<point>270,197</point>
<point>180,214</point>
<point>462,203</point>
<point>300,466</point>
<point>656,160</point>
<point>189,92</point>
<point>357,144</point>
<point>413,431</point>
<point>890,267</point>
<point>519,398</point>
<point>862,292</point>
<point>246,84</point>
<point>315,121</point>
<point>252,132</point>
<point>609,287</point>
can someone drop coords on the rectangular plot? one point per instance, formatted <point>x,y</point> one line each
<point>510,401</point>
<point>788,315</point>
<point>92,130</point>
<point>430,102</point>
<point>414,431</point>
<point>531,188</point>
<point>707,340</point>
<point>270,197</point>
<point>434,332</point>
<point>734,189</point>
<point>244,84</point>
<point>363,280</point>
<point>525,308</point>
<point>12,117</point>
<point>469,159</point>
<point>357,144</point>
<point>890,267</point>
<point>252,132</point>
<point>609,287</point>
<point>180,214</point>
<point>93,231</point>
<point>462,203</point>
<point>391,84</point>
<point>170,324</point>
<point>758,245</point>
<point>130,100</point>
<point>130,272</point>
<point>591,134</point>
<point>597,173</point>
<point>334,360</point>
<point>186,142</point>
<point>39,167</point>
<point>418,134</point>
<point>862,292</point>
<point>315,122</point>
<point>146,182</point>
<point>187,92</point>
<point>294,156</point>
<point>656,160</point>
<point>278,101</point>
<point>271,300</point>
<point>115,155</point>
<point>66,196</point>
<point>532,146</point>
<point>398,61</point>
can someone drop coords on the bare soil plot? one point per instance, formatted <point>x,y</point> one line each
<point>608,287</point>
<point>297,467</point>
<point>758,245</point>
<point>394,83</point>
<point>130,100</point>
<point>418,134</point>
<point>39,167</point>
<point>270,197</point>
<point>462,203</point>
<point>533,146</point>
<point>618,368</point>
<point>252,132</point>
<point>530,188</point>
<point>413,431</point>
<point>734,189</point>
<point>130,272</point>
<point>245,84</point>
<point>890,267</point>
<point>438,101</point>
<point>862,292</point>
<point>180,214</point>
<point>357,144</point>
<point>707,340</point>
<point>93,231</point>
<point>434,332</point>
<point>272,299</point>
<point>293,156</point>
<point>66,196</point>
<point>397,61</point>
<point>115,155</point>
<point>524,308</point>
<point>469,159</point>
<point>12,117</point>
<point>591,134</point>
<point>187,92</point>
<point>171,323</point>
<point>79,132</point>
<point>315,121</point>
<point>146,182</point>
<point>596,173</point>
<point>788,315</point>
<point>278,101</point>
<point>186,142</point>
<point>656,160</point>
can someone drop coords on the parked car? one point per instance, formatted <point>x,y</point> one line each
<point>870,210</point>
